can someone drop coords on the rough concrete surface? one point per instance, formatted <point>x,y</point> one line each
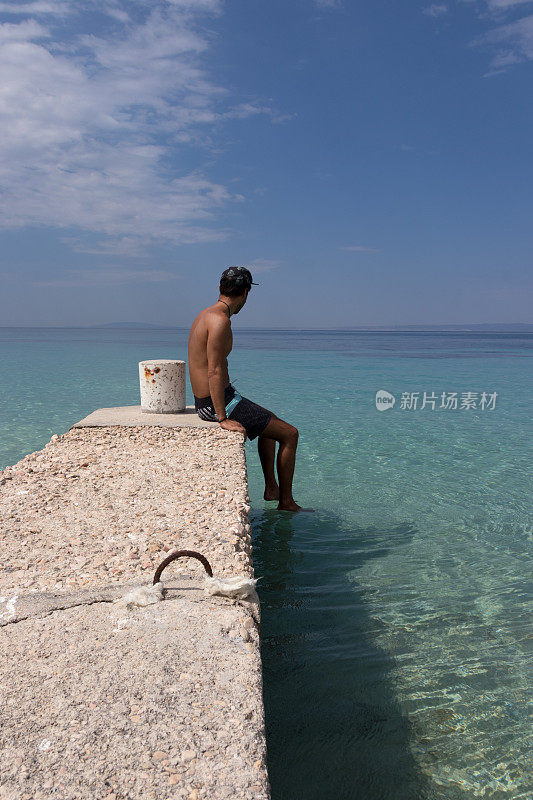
<point>105,505</point>
<point>101,701</point>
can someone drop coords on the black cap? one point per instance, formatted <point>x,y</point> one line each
<point>239,276</point>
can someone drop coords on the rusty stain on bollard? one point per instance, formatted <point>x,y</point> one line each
<point>178,554</point>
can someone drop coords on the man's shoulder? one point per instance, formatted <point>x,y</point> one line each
<point>215,319</point>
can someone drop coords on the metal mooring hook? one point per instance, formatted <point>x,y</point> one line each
<point>178,554</point>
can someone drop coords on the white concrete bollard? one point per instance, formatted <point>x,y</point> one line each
<point>162,383</point>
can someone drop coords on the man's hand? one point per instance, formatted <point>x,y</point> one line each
<point>233,425</point>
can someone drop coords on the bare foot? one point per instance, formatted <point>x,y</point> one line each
<point>292,507</point>
<point>271,493</point>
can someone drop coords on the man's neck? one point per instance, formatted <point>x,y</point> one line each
<point>227,305</point>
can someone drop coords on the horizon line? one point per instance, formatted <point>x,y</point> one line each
<point>467,326</point>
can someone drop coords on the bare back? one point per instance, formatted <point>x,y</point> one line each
<point>212,329</point>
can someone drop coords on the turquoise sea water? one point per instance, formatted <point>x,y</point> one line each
<point>395,620</point>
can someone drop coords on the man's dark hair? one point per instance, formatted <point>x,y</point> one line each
<point>231,289</point>
<point>234,281</point>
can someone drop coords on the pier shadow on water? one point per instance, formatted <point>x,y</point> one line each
<point>335,730</point>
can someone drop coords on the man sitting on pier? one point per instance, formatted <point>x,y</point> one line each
<point>216,400</point>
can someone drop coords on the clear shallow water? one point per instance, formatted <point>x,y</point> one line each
<point>394,619</point>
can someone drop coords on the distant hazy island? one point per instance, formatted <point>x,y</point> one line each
<point>511,327</point>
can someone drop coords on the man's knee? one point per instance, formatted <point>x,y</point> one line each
<point>293,434</point>
<point>281,431</point>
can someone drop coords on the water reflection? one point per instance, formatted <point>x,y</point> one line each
<point>334,726</point>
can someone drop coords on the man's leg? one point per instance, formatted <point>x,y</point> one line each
<point>267,455</point>
<point>287,436</point>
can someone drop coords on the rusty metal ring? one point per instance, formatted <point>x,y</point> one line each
<point>178,554</point>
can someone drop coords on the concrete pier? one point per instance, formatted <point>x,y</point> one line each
<point>100,700</point>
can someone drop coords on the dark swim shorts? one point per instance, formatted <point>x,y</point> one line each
<point>252,417</point>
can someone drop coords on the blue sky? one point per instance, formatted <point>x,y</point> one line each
<point>370,161</point>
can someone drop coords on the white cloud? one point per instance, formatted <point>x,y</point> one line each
<point>107,277</point>
<point>130,246</point>
<point>513,43</point>
<point>500,5</point>
<point>92,126</point>
<point>328,3</point>
<point>260,265</point>
<point>57,7</point>
<point>436,10</point>
<point>195,5</point>
<point>359,248</point>
<point>20,32</point>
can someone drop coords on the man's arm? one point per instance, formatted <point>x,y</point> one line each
<point>217,366</point>
<point>217,370</point>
